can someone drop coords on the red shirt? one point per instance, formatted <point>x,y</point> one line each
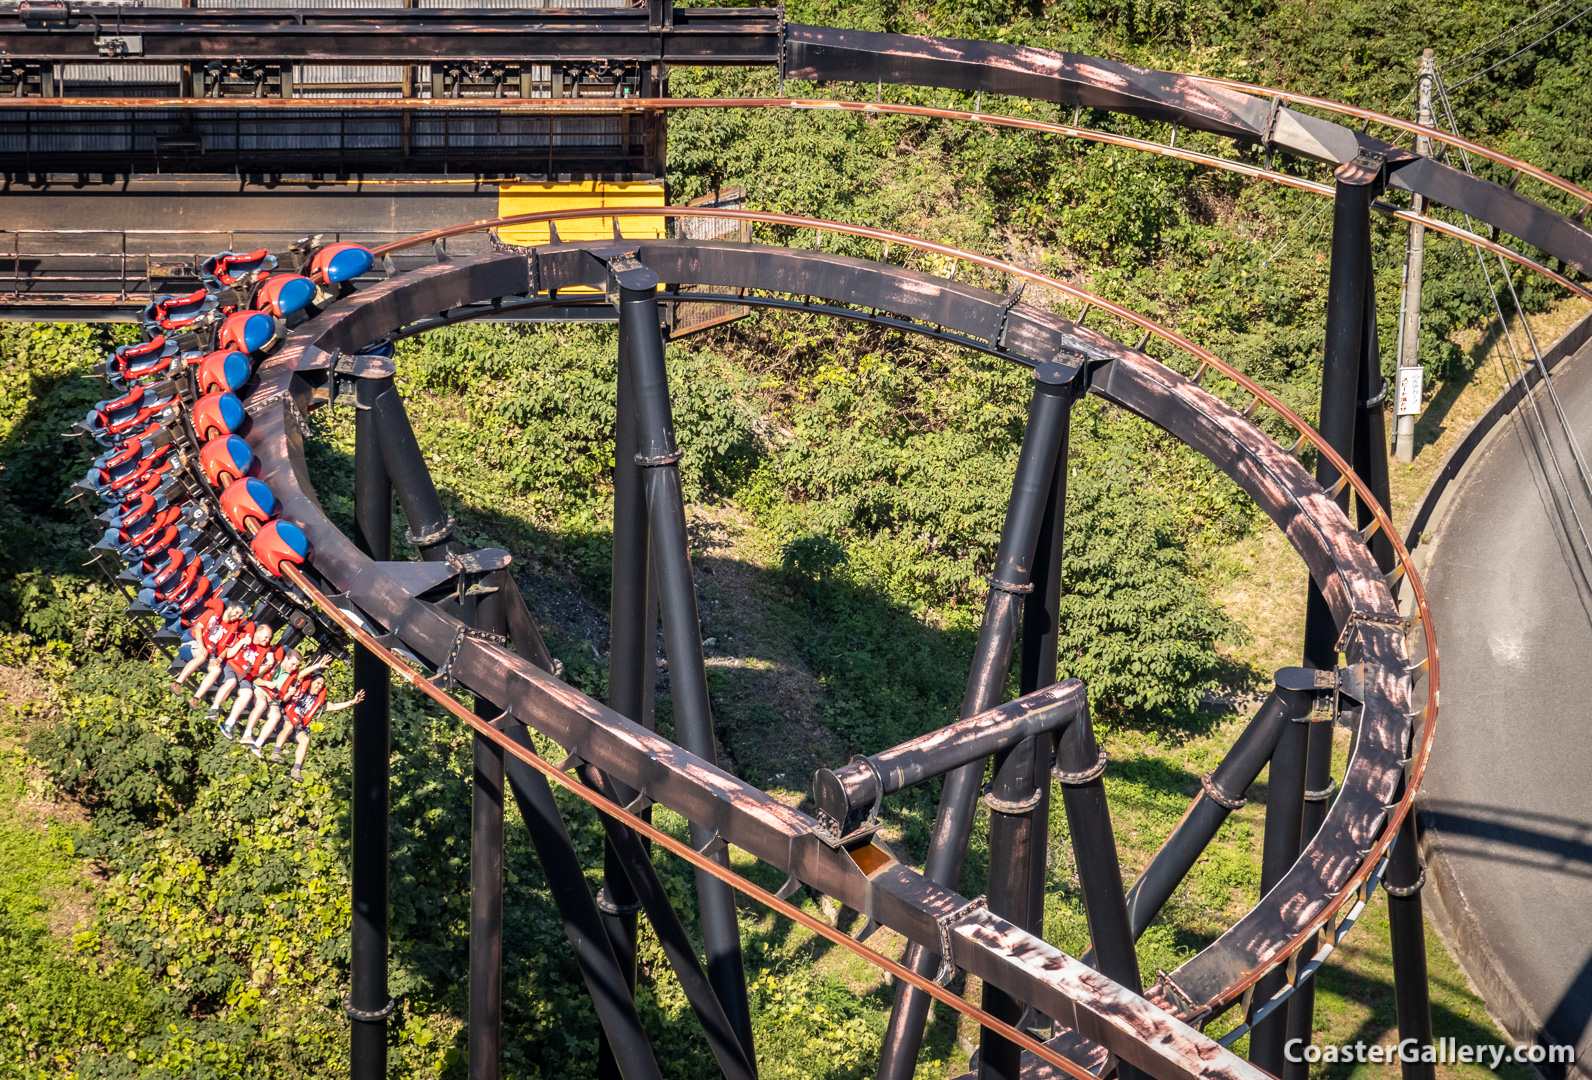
<point>218,634</point>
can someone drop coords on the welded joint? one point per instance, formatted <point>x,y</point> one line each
<point>1083,776</point>
<point>606,905</point>
<point>1321,794</point>
<point>1404,892</point>
<point>1016,588</point>
<point>944,923</point>
<point>1367,169</point>
<point>654,461</point>
<point>1168,990</point>
<point>438,535</point>
<point>1220,797</point>
<point>1012,806</point>
<point>1404,623</point>
<point>369,1016</point>
<point>625,271</point>
<point>715,844</point>
<point>639,803</point>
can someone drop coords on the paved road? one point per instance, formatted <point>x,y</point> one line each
<point>1508,798</point>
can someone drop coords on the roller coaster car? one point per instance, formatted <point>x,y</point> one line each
<point>141,362</point>
<point>159,477</point>
<point>235,270</point>
<point>284,294</point>
<point>199,598</point>
<point>249,332</point>
<point>224,369</point>
<point>176,312</point>
<point>112,421</point>
<point>126,460</point>
<point>220,413</point>
<point>248,500</point>
<point>337,263</point>
<point>279,542</point>
<point>224,459</point>
<point>206,597</point>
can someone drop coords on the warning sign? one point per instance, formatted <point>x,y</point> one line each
<point>1408,400</point>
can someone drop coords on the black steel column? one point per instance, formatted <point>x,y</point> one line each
<point>368,1005</point>
<point>1019,799</point>
<point>1081,766</point>
<point>486,869</point>
<point>610,997</point>
<point>632,669</point>
<point>1408,930</point>
<point>632,858</point>
<point>1404,876</point>
<point>1285,794</point>
<point>1349,296</point>
<point>430,526</point>
<point>641,344</point>
<point>1031,486</point>
<point>1041,641</point>
<point>1222,792</point>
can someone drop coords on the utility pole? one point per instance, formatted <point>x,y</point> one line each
<point>1407,395</point>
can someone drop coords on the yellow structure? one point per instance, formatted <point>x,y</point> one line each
<point>604,194</point>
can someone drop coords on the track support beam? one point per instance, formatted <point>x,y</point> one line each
<point>641,348</point>
<point>1048,417</point>
<point>368,1005</point>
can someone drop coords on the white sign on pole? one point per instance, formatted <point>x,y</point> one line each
<point>1408,400</point>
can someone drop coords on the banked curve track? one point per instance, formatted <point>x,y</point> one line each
<point>1335,870</point>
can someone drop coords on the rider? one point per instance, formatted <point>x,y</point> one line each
<point>254,662</point>
<point>273,692</point>
<point>305,707</point>
<point>213,635</point>
<point>252,643</point>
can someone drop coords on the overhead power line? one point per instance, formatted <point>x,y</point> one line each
<point>1509,32</point>
<point>1517,52</point>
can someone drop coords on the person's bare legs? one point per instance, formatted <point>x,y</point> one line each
<point>199,657</point>
<point>271,721</point>
<point>210,678</point>
<point>261,700</point>
<point>303,738</point>
<point>244,697</point>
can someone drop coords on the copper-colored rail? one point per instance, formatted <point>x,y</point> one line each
<point>484,729</point>
<point>1207,359</point>
<point>1404,125</point>
<point>1127,142</point>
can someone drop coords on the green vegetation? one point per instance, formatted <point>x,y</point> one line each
<point>171,908</point>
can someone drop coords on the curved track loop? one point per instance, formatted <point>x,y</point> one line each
<point>1342,857</point>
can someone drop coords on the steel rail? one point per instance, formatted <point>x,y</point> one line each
<point>1261,396</point>
<point>640,824</point>
<point>1436,135</point>
<point>1127,142</point>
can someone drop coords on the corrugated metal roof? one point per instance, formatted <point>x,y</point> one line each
<point>123,74</point>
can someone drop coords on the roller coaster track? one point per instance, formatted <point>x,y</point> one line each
<point>341,592</point>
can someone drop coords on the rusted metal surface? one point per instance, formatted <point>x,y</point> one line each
<point>895,895</point>
<point>417,35</point>
<point>841,792</point>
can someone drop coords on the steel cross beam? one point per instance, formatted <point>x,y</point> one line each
<point>654,32</point>
<point>867,878</point>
